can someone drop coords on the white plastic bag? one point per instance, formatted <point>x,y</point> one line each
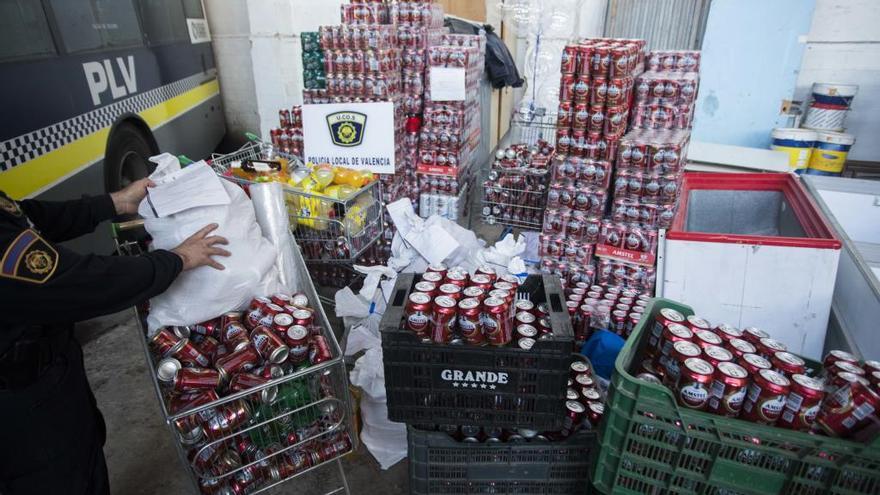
<point>384,439</point>
<point>203,293</point>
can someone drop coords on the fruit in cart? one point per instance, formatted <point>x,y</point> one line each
<point>323,174</point>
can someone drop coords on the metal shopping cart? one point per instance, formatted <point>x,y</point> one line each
<point>255,439</point>
<point>328,230</point>
<point>516,197</point>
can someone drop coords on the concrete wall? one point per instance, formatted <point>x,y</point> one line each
<point>751,57</point>
<point>230,30</point>
<point>843,46</point>
<point>259,57</point>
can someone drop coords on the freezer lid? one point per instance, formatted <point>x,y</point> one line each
<point>801,223</point>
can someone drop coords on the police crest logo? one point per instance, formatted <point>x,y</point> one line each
<point>347,128</point>
<point>29,258</point>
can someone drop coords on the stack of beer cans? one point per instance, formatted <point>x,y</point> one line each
<point>595,98</point>
<point>450,133</point>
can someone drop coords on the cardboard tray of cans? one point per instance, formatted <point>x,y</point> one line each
<point>648,442</point>
<point>275,418</point>
<point>500,386</point>
<point>439,464</point>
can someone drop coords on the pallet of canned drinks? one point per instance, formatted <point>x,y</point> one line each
<point>477,349</point>
<point>253,398</point>
<point>701,408</point>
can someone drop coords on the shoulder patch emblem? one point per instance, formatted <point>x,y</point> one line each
<point>29,258</point>
<point>9,206</point>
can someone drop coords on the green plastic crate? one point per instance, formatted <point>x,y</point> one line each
<point>679,450</point>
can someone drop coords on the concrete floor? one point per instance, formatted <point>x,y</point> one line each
<point>141,457</point>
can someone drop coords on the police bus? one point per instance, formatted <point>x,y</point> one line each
<point>89,89</point>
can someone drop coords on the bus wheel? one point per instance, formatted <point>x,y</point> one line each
<point>127,157</point>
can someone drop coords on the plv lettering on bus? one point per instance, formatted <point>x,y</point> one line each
<point>101,77</point>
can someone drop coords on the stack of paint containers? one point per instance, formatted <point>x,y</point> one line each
<point>821,146</point>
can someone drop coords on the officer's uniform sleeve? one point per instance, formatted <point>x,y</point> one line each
<point>59,221</point>
<point>44,283</point>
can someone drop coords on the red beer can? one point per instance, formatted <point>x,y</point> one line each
<point>728,391</point>
<point>802,403</point>
<point>695,323</point>
<point>319,350</point>
<point>574,416</point>
<point>450,290</point>
<point>269,345</point>
<point>788,364</point>
<point>569,60</point>
<point>664,317</point>
<point>727,332</point>
<point>281,323</point>
<point>850,409</point>
<point>469,323</point>
<point>739,347</point>
<point>474,292</point>
<point>246,381</point>
<point>581,89</point>
<point>243,359</point>
<point>753,335</point>
<point>598,91</point>
<point>434,277</point>
<point>716,354</point>
<point>429,288</point>
<point>566,87</point>
<point>671,371</point>
<point>497,324</point>
<point>834,356</point>
<point>227,418</point>
<point>580,117</point>
<point>188,354</point>
<point>842,378</point>
<point>694,382</point>
<point>767,347</point>
<point>163,342</point>
<point>418,314</point>
<point>235,336</point>
<point>443,318</point>
<point>705,338</point>
<point>297,339</point>
<point>194,379</point>
<point>584,59</point>
<point>672,333</point>
<point>766,397</point>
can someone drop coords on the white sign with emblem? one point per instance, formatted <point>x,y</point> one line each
<point>354,135</point>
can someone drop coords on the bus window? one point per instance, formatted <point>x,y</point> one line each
<point>24,31</point>
<point>96,24</point>
<point>163,21</point>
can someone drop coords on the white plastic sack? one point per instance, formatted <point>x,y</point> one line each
<point>203,293</point>
<point>385,440</point>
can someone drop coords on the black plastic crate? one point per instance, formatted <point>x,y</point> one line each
<point>419,377</point>
<point>440,465</point>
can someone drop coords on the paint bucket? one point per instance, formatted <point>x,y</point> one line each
<point>827,110</point>
<point>798,143</point>
<point>829,154</point>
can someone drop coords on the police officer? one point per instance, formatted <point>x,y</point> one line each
<point>51,432</point>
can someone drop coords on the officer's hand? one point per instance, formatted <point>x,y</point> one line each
<point>127,200</point>
<point>198,249</point>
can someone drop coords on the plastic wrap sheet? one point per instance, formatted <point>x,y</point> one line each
<point>271,212</point>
